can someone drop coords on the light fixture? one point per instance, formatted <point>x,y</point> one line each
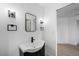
<point>42,24</point>
<point>41,21</point>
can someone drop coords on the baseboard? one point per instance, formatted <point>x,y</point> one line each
<point>78,44</point>
<point>47,54</point>
<point>69,43</point>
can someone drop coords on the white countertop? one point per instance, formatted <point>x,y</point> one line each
<point>32,47</point>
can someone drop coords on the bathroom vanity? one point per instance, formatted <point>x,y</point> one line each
<point>37,48</point>
<point>41,52</point>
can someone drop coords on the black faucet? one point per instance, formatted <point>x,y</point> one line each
<point>32,39</point>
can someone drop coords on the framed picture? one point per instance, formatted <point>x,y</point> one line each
<point>41,28</point>
<point>11,27</point>
<point>11,14</point>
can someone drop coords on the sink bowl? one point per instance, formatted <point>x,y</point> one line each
<point>32,47</point>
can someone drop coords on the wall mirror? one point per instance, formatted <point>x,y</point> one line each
<point>30,22</point>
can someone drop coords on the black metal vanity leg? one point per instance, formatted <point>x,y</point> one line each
<point>20,52</point>
<point>42,51</point>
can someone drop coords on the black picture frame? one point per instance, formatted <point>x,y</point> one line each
<point>11,14</point>
<point>11,27</point>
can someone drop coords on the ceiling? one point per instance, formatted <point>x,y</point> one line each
<point>53,5</point>
<point>69,10</point>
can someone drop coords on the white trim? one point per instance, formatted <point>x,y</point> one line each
<point>69,43</point>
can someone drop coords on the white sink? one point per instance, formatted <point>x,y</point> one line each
<point>32,47</point>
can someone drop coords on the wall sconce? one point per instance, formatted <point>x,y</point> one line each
<point>11,14</point>
<point>42,24</point>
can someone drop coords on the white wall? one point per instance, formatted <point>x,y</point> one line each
<point>9,40</point>
<point>50,32</point>
<point>62,30</point>
<point>68,30</point>
<point>68,26</point>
